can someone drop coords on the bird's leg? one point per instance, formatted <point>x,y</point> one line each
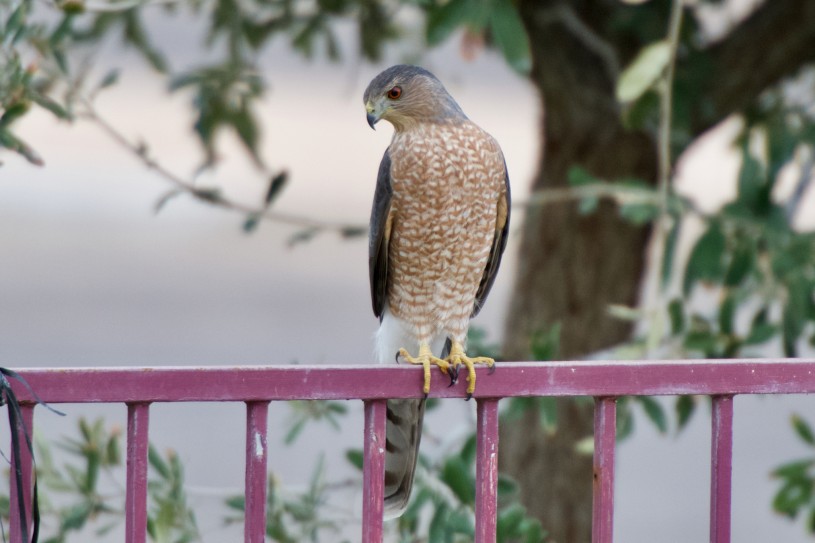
<point>457,358</point>
<point>425,358</point>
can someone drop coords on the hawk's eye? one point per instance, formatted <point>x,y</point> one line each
<point>395,93</point>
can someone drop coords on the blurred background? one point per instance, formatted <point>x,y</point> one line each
<point>93,275</point>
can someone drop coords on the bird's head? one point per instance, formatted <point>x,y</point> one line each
<point>405,95</point>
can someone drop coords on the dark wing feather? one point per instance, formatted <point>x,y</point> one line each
<point>499,243</point>
<point>378,236</point>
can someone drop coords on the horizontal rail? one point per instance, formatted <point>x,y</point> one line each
<point>372,382</point>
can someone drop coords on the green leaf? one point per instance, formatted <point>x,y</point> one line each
<point>701,340</point>
<point>113,452</point>
<point>727,313</point>
<point>110,79</point>
<point>654,412</point>
<point>794,315</point>
<point>510,36</point>
<point>547,408</point>
<point>792,496</point>
<point>166,197</point>
<point>468,450</point>
<point>509,520</point>
<point>158,463</point>
<point>625,419</point>
<point>639,214</point>
<point>456,475</point>
<point>676,310</point>
<point>75,516</point>
<point>276,186</point>
<point>670,252</point>
<point>794,470</point>
<point>251,222</point>
<point>295,431</point>
<point>355,458</point>
<point>803,430</point>
<point>760,333</point>
<point>579,177</point>
<point>740,265</point>
<point>685,406</point>
<point>753,189</point>
<point>47,103</point>
<point>588,205</point>
<point>706,259</point>
<point>445,19</point>
<point>237,503</point>
<point>508,487</point>
<point>459,522</point>
<point>437,532</point>
<point>644,71</point>
<point>546,343</point>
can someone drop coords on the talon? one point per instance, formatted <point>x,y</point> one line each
<point>491,369</point>
<point>458,358</point>
<point>469,397</point>
<point>453,374</point>
<point>425,358</point>
<point>396,357</point>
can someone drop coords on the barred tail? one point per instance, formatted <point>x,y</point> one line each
<point>402,435</point>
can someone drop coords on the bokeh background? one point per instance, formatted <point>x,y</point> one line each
<point>91,275</point>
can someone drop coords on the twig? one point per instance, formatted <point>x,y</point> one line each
<point>663,222</point>
<point>309,226</point>
<point>208,195</point>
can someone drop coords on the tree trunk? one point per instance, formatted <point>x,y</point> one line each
<point>572,266</point>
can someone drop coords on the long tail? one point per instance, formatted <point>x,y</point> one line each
<point>403,433</point>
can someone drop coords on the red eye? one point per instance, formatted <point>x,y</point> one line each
<point>395,93</point>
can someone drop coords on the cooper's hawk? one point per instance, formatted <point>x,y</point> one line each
<point>438,230</point>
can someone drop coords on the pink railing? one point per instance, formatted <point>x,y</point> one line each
<point>256,387</point>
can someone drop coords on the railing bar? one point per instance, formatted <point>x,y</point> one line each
<point>721,468</point>
<point>138,420</point>
<point>486,483</point>
<point>589,378</point>
<point>373,471</point>
<point>26,464</point>
<point>605,434</point>
<point>256,460</point>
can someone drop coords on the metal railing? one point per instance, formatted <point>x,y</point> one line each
<point>258,386</point>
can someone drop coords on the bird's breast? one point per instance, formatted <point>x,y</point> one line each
<point>446,182</point>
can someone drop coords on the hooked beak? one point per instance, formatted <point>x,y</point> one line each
<point>373,114</point>
<point>372,119</point>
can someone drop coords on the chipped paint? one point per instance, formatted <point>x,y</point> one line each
<point>259,448</point>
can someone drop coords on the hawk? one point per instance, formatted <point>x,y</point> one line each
<point>438,229</point>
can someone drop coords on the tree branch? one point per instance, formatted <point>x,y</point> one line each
<point>771,44</point>
<point>212,196</point>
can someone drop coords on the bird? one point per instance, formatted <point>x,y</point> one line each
<point>439,227</point>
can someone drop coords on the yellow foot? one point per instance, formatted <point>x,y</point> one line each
<point>425,358</point>
<point>458,358</point>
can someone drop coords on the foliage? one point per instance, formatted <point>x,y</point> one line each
<point>797,480</point>
<point>296,519</point>
<point>443,501</point>
<point>305,411</point>
<point>46,49</point>
<point>85,495</point>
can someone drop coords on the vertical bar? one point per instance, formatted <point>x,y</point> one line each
<point>254,529</point>
<point>373,471</point>
<point>25,465</point>
<point>486,474</point>
<point>605,434</point>
<point>138,420</point>
<point>721,467</point>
